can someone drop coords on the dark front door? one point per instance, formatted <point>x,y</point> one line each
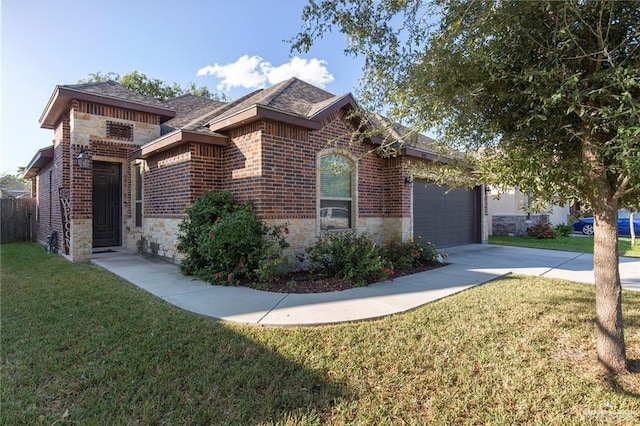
<point>106,204</point>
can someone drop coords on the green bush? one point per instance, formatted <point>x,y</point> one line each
<point>223,242</point>
<point>541,231</point>
<point>563,230</point>
<point>410,254</point>
<point>350,257</point>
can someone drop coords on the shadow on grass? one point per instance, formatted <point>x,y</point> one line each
<point>78,345</point>
<point>618,382</point>
<point>570,308</point>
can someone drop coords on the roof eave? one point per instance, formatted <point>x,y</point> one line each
<point>177,138</point>
<point>62,96</point>
<point>425,155</point>
<point>260,112</point>
<point>43,157</point>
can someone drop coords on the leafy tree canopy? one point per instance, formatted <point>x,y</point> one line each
<point>153,87</point>
<point>548,91</point>
<point>541,95</point>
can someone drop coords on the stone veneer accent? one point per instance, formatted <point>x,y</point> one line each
<point>397,228</point>
<point>86,127</point>
<point>515,224</point>
<point>158,237</point>
<point>302,234</point>
<point>81,240</point>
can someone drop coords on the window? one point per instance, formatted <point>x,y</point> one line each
<point>336,189</point>
<point>137,193</point>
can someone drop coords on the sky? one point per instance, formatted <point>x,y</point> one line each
<point>229,46</point>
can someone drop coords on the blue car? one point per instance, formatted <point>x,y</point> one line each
<point>586,225</point>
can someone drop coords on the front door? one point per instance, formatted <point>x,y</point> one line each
<point>107,210</point>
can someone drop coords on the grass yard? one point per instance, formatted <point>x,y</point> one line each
<point>80,346</point>
<point>582,244</point>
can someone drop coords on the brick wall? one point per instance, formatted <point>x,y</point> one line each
<point>167,183</point>
<point>50,180</point>
<point>45,212</point>
<point>82,186</point>
<point>274,165</point>
<point>205,169</point>
<point>396,192</point>
<point>289,173</point>
<point>242,163</point>
<point>172,180</point>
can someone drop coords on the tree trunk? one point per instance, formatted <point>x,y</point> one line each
<point>610,336</point>
<point>632,228</point>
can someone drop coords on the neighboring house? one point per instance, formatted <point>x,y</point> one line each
<point>12,187</point>
<point>508,213</point>
<point>278,147</point>
<point>15,193</point>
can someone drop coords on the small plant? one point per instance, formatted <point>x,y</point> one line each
<point>562,230</point>
<point>541,231</point>
<point>350,257</point>
<point>410,254</point>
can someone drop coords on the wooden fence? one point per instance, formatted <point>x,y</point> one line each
<point>17,219</point>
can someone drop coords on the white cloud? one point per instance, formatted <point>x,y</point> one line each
<point>241,73</point>
<point>252,72</point>
<point>312,71</point>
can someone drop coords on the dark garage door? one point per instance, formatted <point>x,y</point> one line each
<point>445,218</point>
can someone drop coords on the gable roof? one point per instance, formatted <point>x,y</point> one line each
<point>293,101</point>
<point>291,96</point>
<point>106,93</point>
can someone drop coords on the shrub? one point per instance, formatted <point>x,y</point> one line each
<point>410,254</point>
<point>223,242</point>
<point>563,230</point>
<point>350,257</point>
<point>541,231</point>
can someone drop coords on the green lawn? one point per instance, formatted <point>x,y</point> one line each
<point>80,346</point>
<point>572,243</point>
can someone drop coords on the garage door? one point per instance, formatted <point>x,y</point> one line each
<point>445,218</point>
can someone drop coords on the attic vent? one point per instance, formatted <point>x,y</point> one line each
<point>120,131</point>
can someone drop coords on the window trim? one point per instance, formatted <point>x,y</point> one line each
<point>353,162</point>
<point>137,194</point>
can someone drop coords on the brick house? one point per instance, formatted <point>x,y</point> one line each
<point>278,147</point>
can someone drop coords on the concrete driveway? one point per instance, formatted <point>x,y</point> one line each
<point>544,263</point>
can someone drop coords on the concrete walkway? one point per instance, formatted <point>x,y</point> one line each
<point>470,265</point>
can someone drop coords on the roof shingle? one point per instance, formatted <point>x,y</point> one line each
<point>291,96</point>
<point>116,90</point>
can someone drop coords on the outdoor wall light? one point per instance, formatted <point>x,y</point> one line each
<point>408,180</point>
<point>83,160</point>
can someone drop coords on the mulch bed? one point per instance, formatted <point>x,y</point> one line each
<point>303,282</point>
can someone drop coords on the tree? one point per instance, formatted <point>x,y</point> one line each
<point>543,96</point>
<point>153,87</point>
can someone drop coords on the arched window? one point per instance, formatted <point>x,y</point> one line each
<point>336,192</point>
